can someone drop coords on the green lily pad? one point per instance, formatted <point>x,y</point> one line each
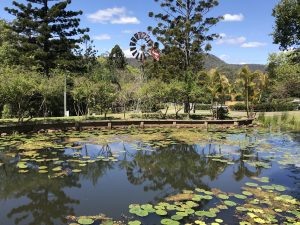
<point>135,222</point>
<point>230,203</point>
<point>251,184</point>
<point>240,196</point>
<point>247,193</point>
<point>85,221</point>
<point>169,222</point>
<point>222,196</point>
<point>56,169</point>
<point>161,212</point>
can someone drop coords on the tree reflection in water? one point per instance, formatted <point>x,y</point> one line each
<point>47,201</point>
<point>180,167</point>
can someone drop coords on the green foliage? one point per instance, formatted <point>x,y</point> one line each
<point>217,86</point>
<point>8,54</point>
<point>47,33</point>
<point>152,94</point>
<point>284,76</point>
<point>116,58</point>
<point>252,85</point>
<point>275,106</point>
<point>18,90</point>
<point>6,112</point>
<point>287,26</point>
<point>184,26</point>
<point>203,107</point>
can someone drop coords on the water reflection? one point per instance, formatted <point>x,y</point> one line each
<point>34,198</point>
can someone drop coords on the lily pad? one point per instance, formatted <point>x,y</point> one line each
<point>85,221</point>
<point>230,203</point>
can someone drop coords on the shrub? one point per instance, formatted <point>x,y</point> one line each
<point>275,106</point>
<point>203,107</point>
<point>6,112</point>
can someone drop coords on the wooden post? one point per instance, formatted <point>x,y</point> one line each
<point>206,125</point>
<point>236,123</point>
<point>174,123</point>
<point>109,126</point>
<point>142,125</point>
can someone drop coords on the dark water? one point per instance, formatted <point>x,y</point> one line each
<point>146,175</point>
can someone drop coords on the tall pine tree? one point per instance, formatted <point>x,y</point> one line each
<point>183,28</point>
<point>183,25</point>
<point>49,34</point>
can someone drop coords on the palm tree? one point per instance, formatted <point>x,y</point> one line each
<point>216,84</point>
<point>252,85</point>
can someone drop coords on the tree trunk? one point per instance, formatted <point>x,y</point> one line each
<point>124,110</point>
<point>165,115</point>
<point>247,102</point>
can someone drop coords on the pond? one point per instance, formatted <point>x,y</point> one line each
<point>151,176</point>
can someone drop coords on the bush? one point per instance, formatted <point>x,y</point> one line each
<point>266,107</point>
<point>238,107</point>
<point>6,112</point>
<point>158,116</point>
<point>203,107</point>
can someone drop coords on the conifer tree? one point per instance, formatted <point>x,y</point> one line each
<point>49,33</point>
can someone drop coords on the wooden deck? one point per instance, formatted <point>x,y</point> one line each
<point>110,124</point>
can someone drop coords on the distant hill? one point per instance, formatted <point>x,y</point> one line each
<point>212,61</point>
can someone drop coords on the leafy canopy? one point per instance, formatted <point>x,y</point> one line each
<point>48,33</point>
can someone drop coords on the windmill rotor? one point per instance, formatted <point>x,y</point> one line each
<point>141,46</point>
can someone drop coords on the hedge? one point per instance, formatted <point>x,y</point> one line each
<point>203,106</point>
<point>168,116</point>
<point>266,107</point>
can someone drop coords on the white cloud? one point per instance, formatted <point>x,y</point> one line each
<point>222,35</point>
<point>128,31</point>
<point>242,63</point>
<point>233,17</point>
<point>102,37</point>
<point>253,45</point>
<point>224,57</point>
<point>231,40</point>
<point>113,16</point>
<point>127,53</point>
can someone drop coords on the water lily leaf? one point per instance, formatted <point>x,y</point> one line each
<point>230,203</point>
<point>245,223</point>
<point>135,222</point>
<point>247,193</point>
<point>22,165</point>
<point>161,212</point>
<point>267,187</point>
<point>251,184</point>
<point>169,222</point>
<point>56,169</point>
<point>176,217</point>
<point>222,196</point>
<point>240,196</point>
<point>85,221</point>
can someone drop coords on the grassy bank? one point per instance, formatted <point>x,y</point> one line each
<point>282,120</point>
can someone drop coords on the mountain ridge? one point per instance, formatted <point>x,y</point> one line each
<point>211,61</point>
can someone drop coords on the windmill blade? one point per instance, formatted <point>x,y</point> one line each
<point>137,56</point>
<point>132,49</point>
<point>134,53</point>
<point>134,40</point>
<point>132,44</point>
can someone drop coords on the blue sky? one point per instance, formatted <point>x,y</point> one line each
<point>246,30</point>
